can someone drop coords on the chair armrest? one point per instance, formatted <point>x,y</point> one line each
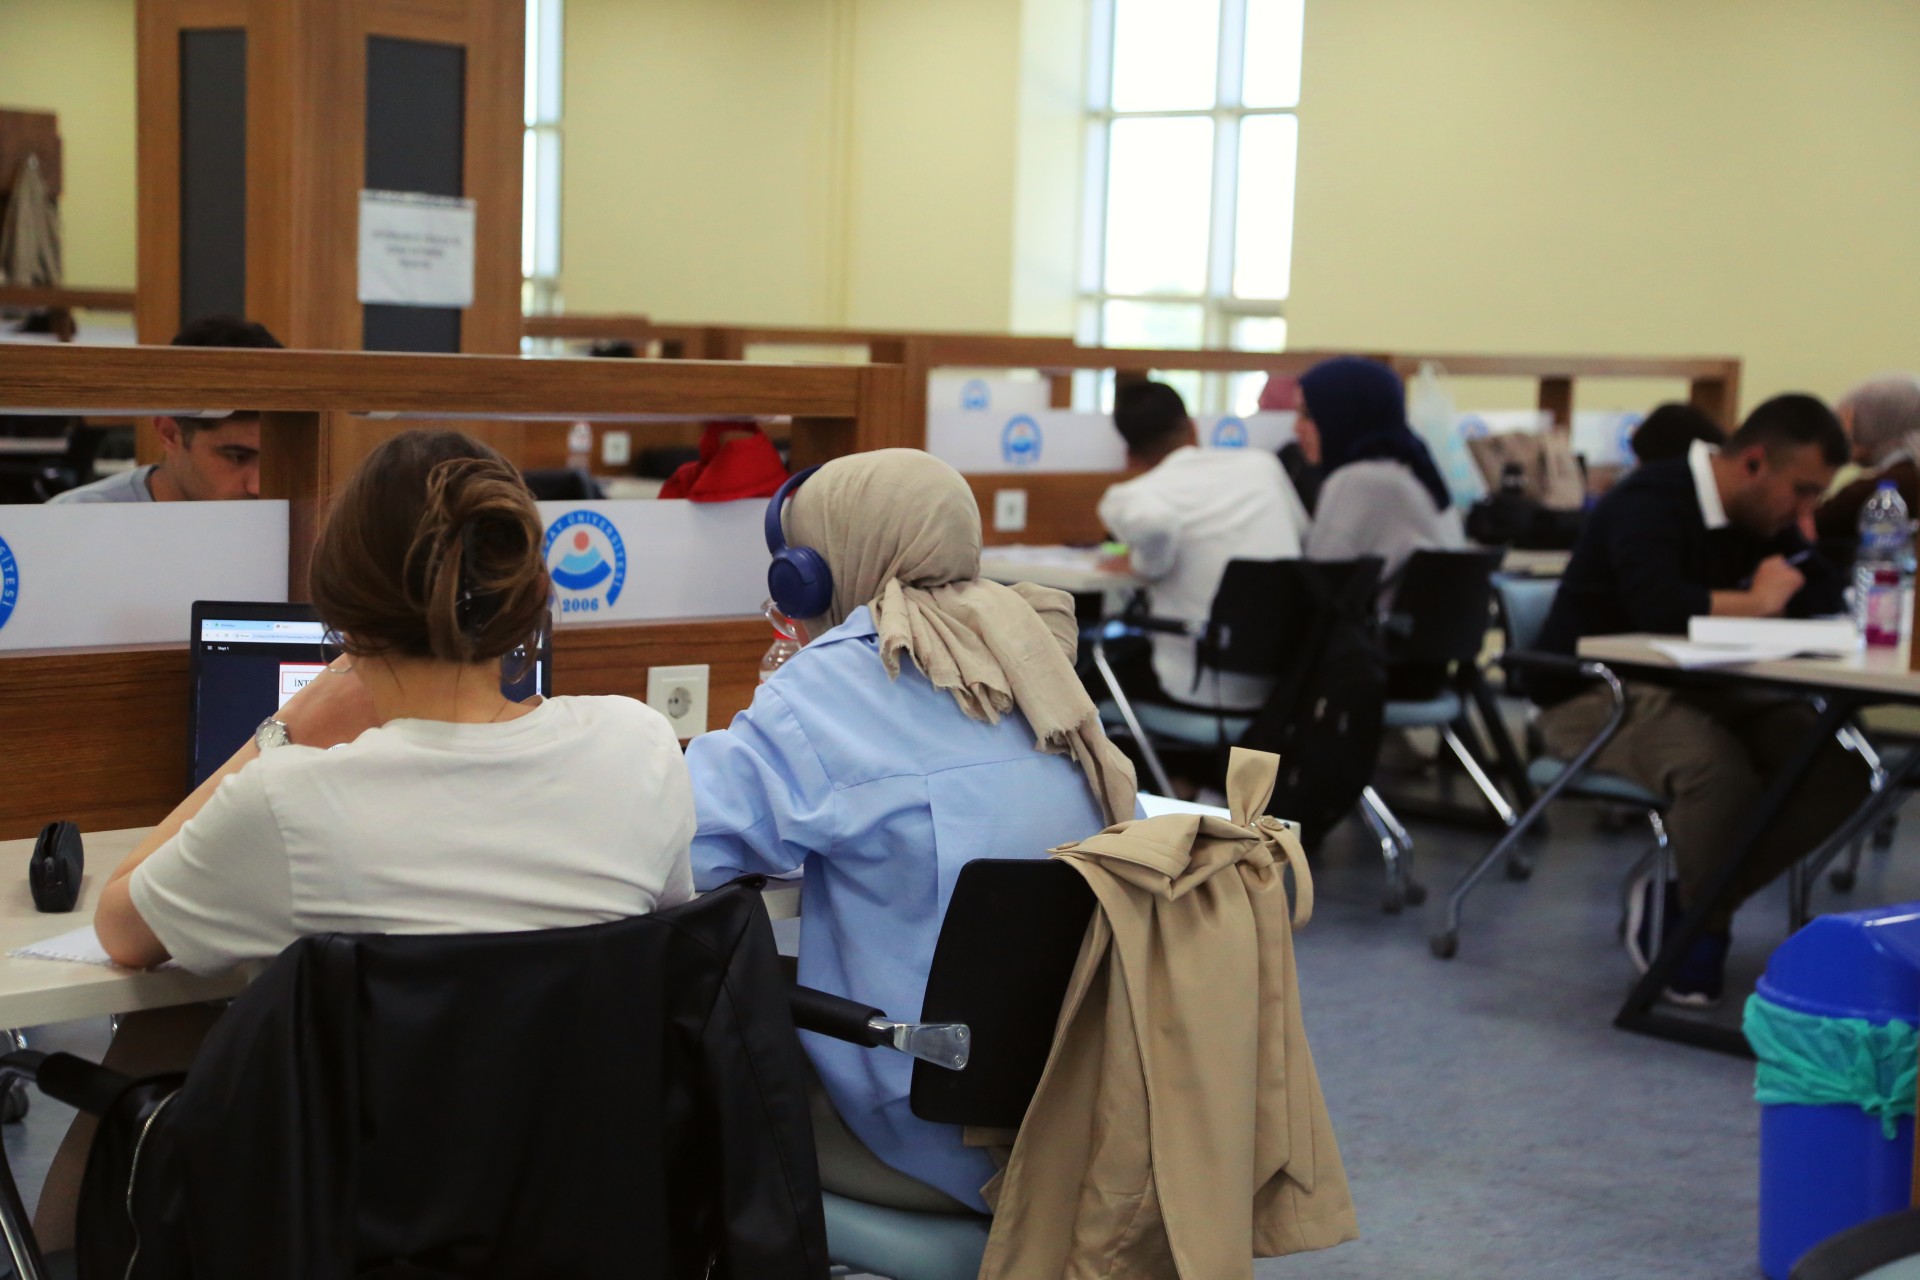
<point>1158,626</point>
<point>945,1044</point>
<point>82,1085</point>
<point>835,1016</point>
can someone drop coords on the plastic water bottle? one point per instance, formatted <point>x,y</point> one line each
<point>1883,567</point>
<point>786,641</point>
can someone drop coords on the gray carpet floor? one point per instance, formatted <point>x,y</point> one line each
<point>1492,1122</point>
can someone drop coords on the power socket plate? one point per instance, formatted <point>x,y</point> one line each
<point>1009,510</point>
<point>680,694</point>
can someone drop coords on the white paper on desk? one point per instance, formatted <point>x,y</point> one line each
<point>79,946</point>
<point>1689,656</point>
<point>1836,637</point>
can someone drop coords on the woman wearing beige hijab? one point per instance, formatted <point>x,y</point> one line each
<point>934,718</point>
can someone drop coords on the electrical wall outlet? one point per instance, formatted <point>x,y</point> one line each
<point>1009,510</point>
<point>616,448</point>
<point>680,694</point>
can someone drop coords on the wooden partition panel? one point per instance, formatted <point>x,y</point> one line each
<point>99,736</point>
<point>1713,382</point>
<point>1062,506</point>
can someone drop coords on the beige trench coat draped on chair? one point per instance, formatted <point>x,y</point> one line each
<point>1179,1129</point>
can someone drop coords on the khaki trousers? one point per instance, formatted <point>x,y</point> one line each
<point>1713,754</point>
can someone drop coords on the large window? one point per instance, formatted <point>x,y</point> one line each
<point>540,175</point>
<point>1191,145</point>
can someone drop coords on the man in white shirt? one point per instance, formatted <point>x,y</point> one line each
<point>1191,512</point>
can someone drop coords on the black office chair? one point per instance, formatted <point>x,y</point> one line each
<point>373,1106</point>
<point>1434,631</point>
<point>1007,947</point>
<point>1312,627</point>
<point>563,484</point>
<point>38,477</point>
<point>1524,604</point>
<point>1884,1249</point>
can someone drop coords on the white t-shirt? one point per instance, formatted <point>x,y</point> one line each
<point>1182,522</point>
<point>578,812</point>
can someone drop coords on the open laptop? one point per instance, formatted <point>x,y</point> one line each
<point>249,658</point>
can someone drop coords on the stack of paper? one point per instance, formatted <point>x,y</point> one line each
<point>1721,642</point>
<point>1836,637</point>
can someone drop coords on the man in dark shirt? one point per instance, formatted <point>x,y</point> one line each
<point>1722,532</point>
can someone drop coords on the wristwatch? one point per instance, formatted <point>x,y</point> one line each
<point>271,733</point>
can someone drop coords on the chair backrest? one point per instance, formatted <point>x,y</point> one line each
<point>1006,951</point>
<point>1524,605</point>
<point>612,1100</point>
<point>1324,716</point>
<point>1262,619</point>
<point>1442,605</point>
<point>563,484</point>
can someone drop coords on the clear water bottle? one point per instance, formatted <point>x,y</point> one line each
<point>786,641</point>
<point>1883,567</point>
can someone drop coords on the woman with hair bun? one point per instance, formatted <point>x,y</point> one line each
<point>443,807</point>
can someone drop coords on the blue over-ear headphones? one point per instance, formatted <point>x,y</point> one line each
<point>798,579</point>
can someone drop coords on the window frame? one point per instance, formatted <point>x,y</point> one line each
<point>542,136</point>
<point>1221,308</point>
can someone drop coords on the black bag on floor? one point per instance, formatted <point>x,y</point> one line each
<point>1324,718</point>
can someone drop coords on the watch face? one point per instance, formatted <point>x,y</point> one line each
<point>271,733</point>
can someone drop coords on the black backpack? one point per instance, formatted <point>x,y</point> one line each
<point>1313,625</point>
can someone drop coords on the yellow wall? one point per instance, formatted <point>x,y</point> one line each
<point>1636,176</point>
<point>75,58</point>
<point>791,161</point>
<point>696,134</point>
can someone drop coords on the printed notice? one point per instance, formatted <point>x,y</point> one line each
<point>415,250</point>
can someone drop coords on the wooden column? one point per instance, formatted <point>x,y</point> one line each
<point>1718,397</point>
<point>1556,401</point>
<point>256,119</point>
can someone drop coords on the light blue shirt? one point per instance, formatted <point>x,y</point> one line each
<point>882,789</point>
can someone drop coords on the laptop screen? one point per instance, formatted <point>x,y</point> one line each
<point>248,659</point>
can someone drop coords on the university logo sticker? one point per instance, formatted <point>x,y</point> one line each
<point>587,561</point>
<point>1020,442</point>
<point>1230,433</point>
<point>974,394</point>
<point>9,582</point>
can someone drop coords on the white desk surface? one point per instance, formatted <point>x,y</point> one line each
<point>1075,569</point>
<point>37,992</point>
<point>34,992</point>
<point>1881,671</point>
<point>1536,564</point>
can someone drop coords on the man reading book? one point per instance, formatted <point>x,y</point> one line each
<point>1722,532</point>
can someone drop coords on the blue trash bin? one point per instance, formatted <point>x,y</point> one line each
<point>1834,1018</point>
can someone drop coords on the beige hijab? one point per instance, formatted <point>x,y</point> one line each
<point>901,532</point>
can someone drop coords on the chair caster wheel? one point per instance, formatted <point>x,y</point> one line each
<point>13,1106</point>
<point>1842,880</point>
<point>1444,945</point>
<point>1392,901</point>
<point>1416,893</point>
<point>1519,868</point>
